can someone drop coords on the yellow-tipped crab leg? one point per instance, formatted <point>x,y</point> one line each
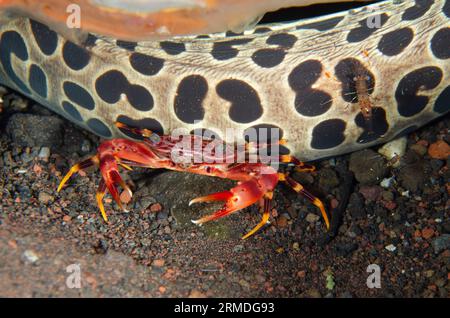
<point>79,166</point>
<point>297,187</point>
<point>265,217</point>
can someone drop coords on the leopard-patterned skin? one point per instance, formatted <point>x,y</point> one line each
<point>297,76</point>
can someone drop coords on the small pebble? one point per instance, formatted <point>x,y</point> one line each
<point>90,279</point>
<point>156,207</point>
<point>244,283</point>
<point>44,153</point>
<point>44,197</point>
<point>439,150</point>
<point>346,294</point>
<point>260,278</point>
<point>167,230</point>
<point>390,205</point>
<point>394,148</point>
<point>427,233</point>
<point>34,135</point>
<point>387,195</point>
<point>301,274</point>
<point>334,203</point>
<point>29,156</point>
<point>158,263</point>
<point>412,174</point>
<point>354,231</point>
<point>421,150</point>
<point>390,248</point>
<point>371,193</point>
<point>125,197</point>
<point>293,213</point>
<point>328,179</point>
<point>441,243</point>
<point>356,206</point>
<point>12,244</point>
<point>405,193</point>
<point>312,218</point>
<point>387,182</point>
<point>30,256</point>
<point>368,166</point>
<point>162,215</point>
<point>282,221</point>
<point>86,146</point>
<point>345,249</point>
<point>313,293</point>
<point>429,273</point>
<point>196,294</point>
<point>37,169</point>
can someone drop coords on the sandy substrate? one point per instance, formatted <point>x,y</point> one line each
<point>155,251</point>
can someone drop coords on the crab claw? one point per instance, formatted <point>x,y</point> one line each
<point>219,196</point>
<point>110,155</point>
<point>111,177</point>
<point>238,198</point>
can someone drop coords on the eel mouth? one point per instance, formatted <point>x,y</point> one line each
<point>139,20</point>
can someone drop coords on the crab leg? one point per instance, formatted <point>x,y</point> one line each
<point>299,165</point>
<point>297,187</point>
<point>101,190</point>
<point>265,217</point>
<point>251,145</point>
<point>111,177</point>
<point>79,166</point>
<point>146,133</point>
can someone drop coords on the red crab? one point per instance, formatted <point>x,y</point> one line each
<point>256,180</point>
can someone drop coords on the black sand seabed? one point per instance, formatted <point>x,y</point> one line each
<point>155,251</point>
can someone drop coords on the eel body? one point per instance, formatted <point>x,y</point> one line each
<point>299,77</point>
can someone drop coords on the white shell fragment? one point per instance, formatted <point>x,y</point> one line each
<point>387,182</point>
<point>394,149</point>
<point>391,248</point>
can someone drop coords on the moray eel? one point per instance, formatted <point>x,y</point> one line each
<point>296,76</point>
<point>140,20</point>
